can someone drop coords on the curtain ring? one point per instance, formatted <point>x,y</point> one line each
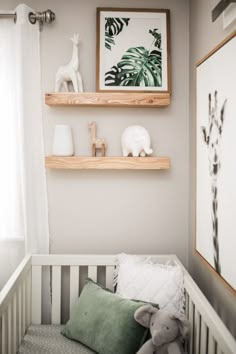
<point>42,17</point>
<point>32,18</point>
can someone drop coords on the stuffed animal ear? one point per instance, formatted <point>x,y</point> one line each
<point>143,315</point>
<point>183,323</point>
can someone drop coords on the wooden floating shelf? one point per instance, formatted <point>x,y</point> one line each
<point>108,99</point>
<point>108,163</point>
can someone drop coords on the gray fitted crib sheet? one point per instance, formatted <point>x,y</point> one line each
<point>47,339</point>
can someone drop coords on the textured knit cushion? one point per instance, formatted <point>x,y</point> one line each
<point>47,339</point>
<point>140,279</point>
<point>104,322</point>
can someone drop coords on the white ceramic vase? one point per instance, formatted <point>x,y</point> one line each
<point>63,141</point>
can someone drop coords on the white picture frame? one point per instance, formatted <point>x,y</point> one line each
<point>215,160</point>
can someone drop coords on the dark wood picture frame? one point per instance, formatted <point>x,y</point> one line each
<point>133,50</point>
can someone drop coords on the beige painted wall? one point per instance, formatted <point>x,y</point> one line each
<point>114,211</point>
<point>204,36</point>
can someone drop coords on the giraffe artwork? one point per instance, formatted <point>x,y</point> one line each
<point>212,138</point>
<point>215,187</point>
<point>96,143</point>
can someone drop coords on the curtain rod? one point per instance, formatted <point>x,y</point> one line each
<point>42,17</point>
<point>8,15</point>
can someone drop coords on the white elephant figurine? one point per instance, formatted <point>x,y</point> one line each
<point>136,141</point>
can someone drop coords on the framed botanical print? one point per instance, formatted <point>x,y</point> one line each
<point>133,50</point>
<point>216,164</point>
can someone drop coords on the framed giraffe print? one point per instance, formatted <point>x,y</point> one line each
<point>133,50</point>
<point>215,160</point>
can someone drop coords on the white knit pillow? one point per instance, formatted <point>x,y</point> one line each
<point>139,279</point>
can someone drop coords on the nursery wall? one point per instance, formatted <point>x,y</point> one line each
<point>114,211</point>
<point>204,36</point>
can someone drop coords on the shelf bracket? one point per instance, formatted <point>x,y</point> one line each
<point>220,7</point>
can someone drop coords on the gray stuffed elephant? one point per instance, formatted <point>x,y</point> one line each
<point>166,330</point>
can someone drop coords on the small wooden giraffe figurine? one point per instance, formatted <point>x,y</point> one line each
<point>96,143</point>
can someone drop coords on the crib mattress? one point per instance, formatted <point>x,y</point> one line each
<point>47,339</point>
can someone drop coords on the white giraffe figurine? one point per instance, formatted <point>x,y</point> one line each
<point>70,72</point>
<point>96,143</point>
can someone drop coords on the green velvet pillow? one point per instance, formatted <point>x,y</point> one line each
<point>104,322</point>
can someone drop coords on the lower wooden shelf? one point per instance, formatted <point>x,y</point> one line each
<point>108,163</point>
<point>108,99</point>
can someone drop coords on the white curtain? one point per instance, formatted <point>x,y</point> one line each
<point>23,196</point>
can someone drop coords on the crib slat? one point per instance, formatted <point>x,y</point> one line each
<point>109,277</point>
<point>191,319</point>
<point>19,304</point>
<point>187,305</point>
<point>74,286</point>
<point>28,299</point>
<point>197,331</point>
<point>92,272</point>
<point>9,323</point>
<point>4,333</point>
<point>14,324</point>
<point>23,308</point>
<point>56,295</point>
<point>218,350</point>
<point>186,342</point>
<point>17,318</point>
<point>211,344</point>
<point>36,294</point>
<point>203,342</point>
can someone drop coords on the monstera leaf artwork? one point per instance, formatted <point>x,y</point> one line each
<point>108,40</point>
<point>135,54</point>
<point>113,27</point>
<point>138,66</point>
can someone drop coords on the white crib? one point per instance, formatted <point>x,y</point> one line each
<point>21,299</point>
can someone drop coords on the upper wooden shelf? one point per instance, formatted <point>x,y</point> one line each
<point>108,99</point>
<point>107,163</point>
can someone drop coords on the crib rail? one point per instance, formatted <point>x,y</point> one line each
<point>209,335</point>
<point>15,308</point>
<point>22,301</point>
<point>90,265</point>
<point>96,267</point>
